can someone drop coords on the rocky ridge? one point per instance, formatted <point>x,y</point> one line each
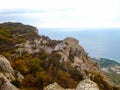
<point>64,62</point>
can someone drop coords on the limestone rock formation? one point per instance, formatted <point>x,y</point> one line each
<point>71,40</point>
<point>5,65</point>
<point>53,86</point>
<point>8,86</point>
<point>5,83</point>
<point>6,75</point>
<point>72,52</point>
<point>19,76</point>
<point>87,84</point>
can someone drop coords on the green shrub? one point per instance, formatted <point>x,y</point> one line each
<point>17,83</point>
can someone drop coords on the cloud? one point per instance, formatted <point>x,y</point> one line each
<point>62,13</point>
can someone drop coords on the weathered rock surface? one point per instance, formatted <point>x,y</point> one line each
<point>5,65</point>
<point>8,86</point>
<point>72,52</point>
<point>86,84</point>
<point>5,83</point>
<point>6,75</point>
<point>53,86</point>
<point>71,40</point>
<point>19,76</point>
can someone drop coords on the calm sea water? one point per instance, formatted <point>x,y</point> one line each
<point>98,43</point>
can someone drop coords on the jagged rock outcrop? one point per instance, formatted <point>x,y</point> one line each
<point>87,84</point>
<point>6,68</point>
<point>70,48</point>
<point>19,76</point>
<point>71,40</point>
<point>5,65</point>
<point>5,83</point>
<point>53,86</point>
<point>71,51</point>
<point>7,75</point>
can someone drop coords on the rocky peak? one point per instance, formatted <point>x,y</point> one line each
<point>71,50</point>
<point>71,40</point>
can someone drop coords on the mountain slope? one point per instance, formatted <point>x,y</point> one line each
<point>43,61</point>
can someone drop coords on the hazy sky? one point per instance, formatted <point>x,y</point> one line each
<point>62,13</point>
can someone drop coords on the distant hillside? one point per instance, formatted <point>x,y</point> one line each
<point>111,68</point>
<point>106,62</point>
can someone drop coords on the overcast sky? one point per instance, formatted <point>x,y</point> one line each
<point>62,13</point>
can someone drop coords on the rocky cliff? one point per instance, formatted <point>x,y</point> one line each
<point>43,61</point>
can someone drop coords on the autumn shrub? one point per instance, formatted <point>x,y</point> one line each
<point>29,80</point>
<point>20,65</point>
<point>65,79</point>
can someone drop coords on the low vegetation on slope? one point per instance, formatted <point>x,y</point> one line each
<point>43,61</point>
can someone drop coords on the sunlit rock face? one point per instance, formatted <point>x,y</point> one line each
<point>5,65</point>
<point>87,85</point>
<point>5,83</point>
<point>7,75</point>
<point>53,86</point>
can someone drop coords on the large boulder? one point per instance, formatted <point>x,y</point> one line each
<point>8,86</point>
<point>7,75</point>
<point>5,83</point>
<point>87,84</point>
<point>53,86</point>
<point>5,65</point>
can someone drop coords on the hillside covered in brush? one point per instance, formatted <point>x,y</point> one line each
<point>42,61</point>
